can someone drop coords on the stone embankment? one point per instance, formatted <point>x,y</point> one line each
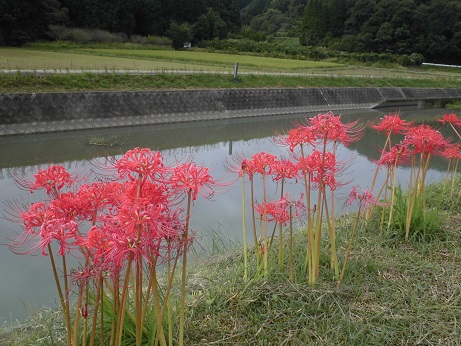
<point>49,112</point>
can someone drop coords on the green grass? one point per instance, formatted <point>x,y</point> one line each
<point>18,83</point>
<point>264,72</point>
<point>28,59</point>
<point>216,59</point>
<point>454,105</point>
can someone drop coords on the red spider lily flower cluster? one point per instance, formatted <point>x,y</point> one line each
<point>425,140</point>
<point>137,214</point>
<point>321,129</point>
<point>322,169</point>
<point>54,177</point>
<point>450,119</point>
<point>397,155</point>
<point>452,152</point>
<point>392,124</point>
<point>278,210</point>
<point>329,127</point>
<point>363,196</point>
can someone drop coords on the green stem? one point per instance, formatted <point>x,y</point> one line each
<point>244,227</point>
<point>183,274</point>
<point>349,246</point>
<point>122,308</point>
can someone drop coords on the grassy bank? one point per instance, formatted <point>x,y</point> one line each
<point>394,293</point>
<point>18,83</point>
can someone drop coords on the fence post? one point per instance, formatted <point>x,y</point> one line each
<point>236,70</point>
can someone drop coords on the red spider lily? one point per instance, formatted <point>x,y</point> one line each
<point>322,168</point>
<point>151,193</point>
<point>96,196</point>
<point>140,161</point>
<point>54,178</point>
<point>298,136</point>
<point>423,139</point>
<point>132,217</point>
<point>329,127</point>
<point>276,211</point>
<point>67,206</point>
<point>262,163</point>
<point>392,124</point>
<point>397,155</point>
<point>35,217</point>
<point>60,230</point>
<point>97,242</point>
<point>364,196</point>
<point>279,210</point>
<point>82,276</point>
<point>452,152</point>
<point>450,119</point>
<point>285,169</point>
<point>192,179</point>
<point>240,166</point>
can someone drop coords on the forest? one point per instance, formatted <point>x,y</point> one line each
<point>431,28</point>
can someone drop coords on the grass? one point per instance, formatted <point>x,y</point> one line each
<point>210,70</point>
<point>394,293</point>
<point>216,59</point>
<point>454,105</point>
<point>28,59</point>
<point>19,83</point>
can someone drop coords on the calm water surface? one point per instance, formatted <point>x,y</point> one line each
<point>26,282</point>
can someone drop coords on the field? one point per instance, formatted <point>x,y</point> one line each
<point>65,67</point>
<point>141,59</point>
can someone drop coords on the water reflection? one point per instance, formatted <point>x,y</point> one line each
<point>28,281</point>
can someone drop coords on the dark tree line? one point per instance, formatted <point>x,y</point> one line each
<point>428,27</point>
<point>27,20</point>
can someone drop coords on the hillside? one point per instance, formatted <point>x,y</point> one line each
<point>431,28</point>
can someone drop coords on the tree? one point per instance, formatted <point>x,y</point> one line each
<point>180,34</point>
<point>337,12</point>
<point>209,26</point>
<point>22,21</point>
<point>315,22</point>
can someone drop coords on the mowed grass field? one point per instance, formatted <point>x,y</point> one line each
<point>190,69</point>
<point>142,59</point>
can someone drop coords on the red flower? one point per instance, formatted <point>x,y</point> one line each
<point>392,124</point>
<point>298,136</point>
<point>423,139</point>
<point>192,179</point>
<point>329,127</point>
<point>452,152</point>
<point>322,167</point>
<point>284,169</point>
<point>53,179</point>
<point>398,155</point>
<point>279,210</point>
<point>262,163</point>
<point>62,231</point>
<point>451,119</point>
<point>365,197</point>
<point>142,162</point>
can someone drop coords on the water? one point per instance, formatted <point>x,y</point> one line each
<point>26,281</point>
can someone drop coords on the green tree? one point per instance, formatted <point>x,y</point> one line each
<point>22,21</point>
<point>209,26</point>
<point>337,11</point>
<point>180,34</point>
<point>315,22</point>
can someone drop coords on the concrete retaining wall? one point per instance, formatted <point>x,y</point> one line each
<point>44,112</point>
